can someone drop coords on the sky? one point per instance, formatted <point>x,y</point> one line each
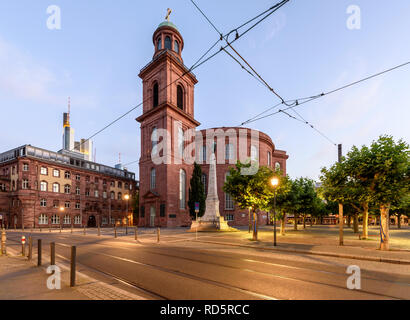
<point>303,49</point>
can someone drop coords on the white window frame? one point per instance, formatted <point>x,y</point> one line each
<point>43,171</point>
<point>56,187</point>
<point>25,166</point>
<point>77,219</point>
<point>24,184</point>
<point>43,186</point>
<point>42,219</point>
<point>43,203</point>
<point>55,219</point>
<point>56,173</point>
<point>67,219</point>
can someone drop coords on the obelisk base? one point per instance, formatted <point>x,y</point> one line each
<point>217,225</point>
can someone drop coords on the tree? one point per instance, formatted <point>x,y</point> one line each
<point>249,191</point>
<point>401,208</point>
<point>389,178</point>
<point>196,192</point>
<point>306,198</point>
<point>334,188</point>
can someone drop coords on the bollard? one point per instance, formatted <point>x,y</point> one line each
<point>136,233</point>
<point>30,247</point>
<point>23,246</point>
<point>72,269</point>
<point>39,252</point>
<point>52,253</point>
<point>49,229</point>
<point>115,231</point>
<point>60,228</point>
<point>158,234</point>
<point>40,229</point>
<point>84,230</point>
<point>126,229</point>
<point>3,242</point>
<point>99,233</point>
<point>71,228</point>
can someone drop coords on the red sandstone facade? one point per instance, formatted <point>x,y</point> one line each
<point>29,194</point>
<point>168,94</point>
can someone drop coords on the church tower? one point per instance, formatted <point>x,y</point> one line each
<point>168,95</point>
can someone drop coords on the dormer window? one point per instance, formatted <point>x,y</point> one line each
<point>176,46</point>
<point>159,44</point>
<point>167,42</point>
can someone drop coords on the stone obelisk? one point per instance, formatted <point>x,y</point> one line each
<point>211,220</point>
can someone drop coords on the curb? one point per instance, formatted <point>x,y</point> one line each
<point>326,254</point>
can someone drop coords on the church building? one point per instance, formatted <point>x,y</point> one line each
<point>168,95</point>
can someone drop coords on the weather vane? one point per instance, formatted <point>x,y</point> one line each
<point>168,14</point>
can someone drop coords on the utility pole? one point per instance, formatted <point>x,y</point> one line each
<point>341,219</point>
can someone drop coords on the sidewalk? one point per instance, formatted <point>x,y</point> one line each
<point>21,279</point>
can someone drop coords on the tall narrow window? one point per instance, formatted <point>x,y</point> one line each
<point>203,179</point>
<point>167,43</point>
<point>269,159</point>
<point>204,154</point>
<point>155,95</point>
<point>159,45</point>
<point>154,139</point>
<point>153,178</point>
<point>228,198</point>
<point>180,98</point>
<point>182,187</point>
<point>229,151</point>
<point>181,142</point>
<point>176,46</point>
<point>254,153</point>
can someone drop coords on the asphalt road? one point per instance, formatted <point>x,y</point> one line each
<point>179,267</point>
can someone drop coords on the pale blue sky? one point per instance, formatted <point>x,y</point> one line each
<point>303,49</point>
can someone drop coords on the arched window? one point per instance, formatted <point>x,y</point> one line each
<point>182,187</point>
<point>159,44</point>
<point>167,43</point>
<point>155,95</point>
<point>56,187</point>
<point>181,142</point>
<point>229,151</point>
<point>119,196</point>
<point>176,46</point>
<point>112,195</point>
<point>228,198</point>
<point>77,219</point>
<point>42,219</point>
<point>43,186</point>
<point>154,140</point>
<point>67,189</point>
<point>180,98</point>
<point>269,159</point>
<point>153,178</point>
<point>43,203</point>
<point>203,179</point>
<point>254,153</point>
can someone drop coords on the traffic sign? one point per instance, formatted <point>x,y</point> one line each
<point>23,240</point>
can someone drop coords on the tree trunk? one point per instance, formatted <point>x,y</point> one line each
<point>255,226</point>
<point>282,224</point>
<point>384,227</point>
<point>356,223</point>
<point>365,221</point>
<point>341,223</point>
<point>398,221</point>
<point>311,221</point>
<point>295,218</point>
<point>348,220</point>
<point>304,221</point>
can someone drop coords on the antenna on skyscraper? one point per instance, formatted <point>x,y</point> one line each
<point>69,104</point>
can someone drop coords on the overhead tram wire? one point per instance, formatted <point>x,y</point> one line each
<point>256,75</point>
<point>197,64</point>
<point>298,103</point>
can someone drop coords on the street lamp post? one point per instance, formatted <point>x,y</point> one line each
<point>126,197</point>
<point>275,183</point>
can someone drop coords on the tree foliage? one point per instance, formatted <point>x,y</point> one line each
<point>196,192</point>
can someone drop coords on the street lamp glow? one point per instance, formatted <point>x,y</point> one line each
<point>61,209</point>
<point>126,197</point>
<point>274,181</point>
